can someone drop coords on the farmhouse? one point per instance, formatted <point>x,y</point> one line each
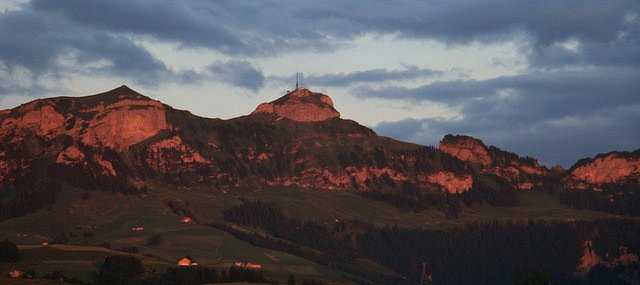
<point>17,274</point>
<point>187,261</point>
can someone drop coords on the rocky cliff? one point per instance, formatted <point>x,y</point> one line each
<point>300,105</point>
<point>522,172</point>
<point>605,169</point>
<point>123,141</point>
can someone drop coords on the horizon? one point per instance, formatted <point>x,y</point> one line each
<point>556,90</point>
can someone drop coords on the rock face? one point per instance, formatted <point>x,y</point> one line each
<point>590,258</point>
<point>116,119</point>
<point>454,184</point>
<point>126,123</point>
<point>39,117</point>
<point>521,172</point>
<point>173,154</point>
<point>70,155</point>
<point>467,149</point>
<point>301,105</point>
<point>613,167</point>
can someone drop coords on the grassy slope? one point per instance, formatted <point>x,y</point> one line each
<point>111,216</point>
<point>75,261</point>
<point>327,206</point>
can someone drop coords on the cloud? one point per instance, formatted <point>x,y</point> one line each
<point>370,76</point>
<point>568,88</point>
<point>378,75</point>
<point>268,27</point>
<point>558,116</point>
<point>163,20</point>
<point>238,73</point>
<point>46,44</point>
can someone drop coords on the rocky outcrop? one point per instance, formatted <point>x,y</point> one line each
<point>173,154</point>
<point>300,105</point>
<point>614,167</point>
<point>116,119</point>
<point>521,172</point>
<point>590,258</point>
<point>124,124</point>
<point>467,149</point>
<point>452,183</point>
<point>70,155</point>
<point>39,117</point>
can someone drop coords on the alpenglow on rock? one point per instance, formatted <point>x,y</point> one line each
<point>301,105</point>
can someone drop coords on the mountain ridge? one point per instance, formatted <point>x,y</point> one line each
<point>122,138</point>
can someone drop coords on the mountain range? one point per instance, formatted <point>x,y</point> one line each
<point>293,184</point>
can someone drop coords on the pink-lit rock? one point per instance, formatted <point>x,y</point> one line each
<point>608,169</point>
<point>39,117</point>
<point>173,154</point>
<point>188,154</point>
<point>466,149</point>
<point>121,125</point>
<point>70,155</point>
<point>107,166</point>
<point>453,183</point>
<point>588,260</point>
<point>301,105</point>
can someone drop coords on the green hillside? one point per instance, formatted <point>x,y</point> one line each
<point>108,218</point>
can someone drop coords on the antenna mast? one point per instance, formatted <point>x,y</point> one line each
<point>297,76</point>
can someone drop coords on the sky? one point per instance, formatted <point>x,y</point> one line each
<point>554,80</point>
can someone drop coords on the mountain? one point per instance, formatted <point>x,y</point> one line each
<point>306,181</point>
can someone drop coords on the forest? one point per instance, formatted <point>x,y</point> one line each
<point>495,253</point>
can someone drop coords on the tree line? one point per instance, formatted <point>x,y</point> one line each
<point>490,253</point>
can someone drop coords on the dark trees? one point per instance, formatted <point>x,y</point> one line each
<point>8,252</point>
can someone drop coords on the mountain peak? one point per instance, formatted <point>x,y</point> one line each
<point>466,148</point>
<point>122,93</point>
<point>300,105</point>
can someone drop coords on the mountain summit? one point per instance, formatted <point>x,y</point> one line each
<point>300,105</point>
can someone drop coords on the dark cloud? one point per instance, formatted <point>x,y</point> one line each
<point>379,75</point>
<point>597,26</point>
<point>606,33</point>
<point>370,76</point>
<point>557,116</point>
<point>267,27</point>
<point>575,89</point>
<point>238,73</point>
<point>164,20</point>
<point>48,44</point>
